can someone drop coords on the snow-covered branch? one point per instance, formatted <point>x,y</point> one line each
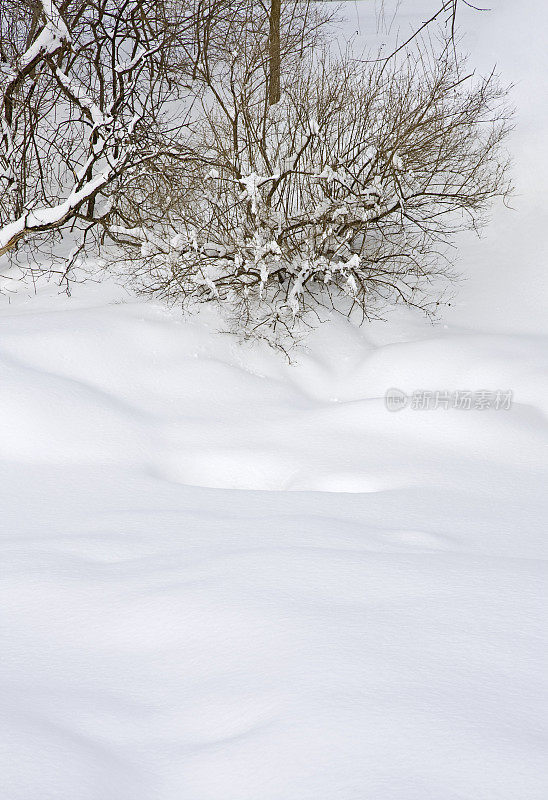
<point>53,35</point>
<point>52,217</point>
<point>74,115</point>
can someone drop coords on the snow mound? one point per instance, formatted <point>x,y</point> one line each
<point>173,400</point>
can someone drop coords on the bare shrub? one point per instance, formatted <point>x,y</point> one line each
<point>346,194</point>
<point>151,131</point>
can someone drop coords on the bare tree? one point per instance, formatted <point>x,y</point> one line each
<point>83,90</point>
<point>97,95</point>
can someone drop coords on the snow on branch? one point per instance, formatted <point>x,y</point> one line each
<point>52,36</point>
<point>69,113</point>
<point>79,95</point>
<point>41,219</point>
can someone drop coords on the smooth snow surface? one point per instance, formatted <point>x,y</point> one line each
<point>229,578</point>
<point>379,635</point>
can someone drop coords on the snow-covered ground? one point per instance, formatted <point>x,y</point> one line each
<point>229,578</point>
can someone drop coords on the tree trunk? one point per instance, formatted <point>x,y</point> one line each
<point>274,53</point>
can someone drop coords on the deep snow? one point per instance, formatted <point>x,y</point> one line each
<point>229,578</point>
